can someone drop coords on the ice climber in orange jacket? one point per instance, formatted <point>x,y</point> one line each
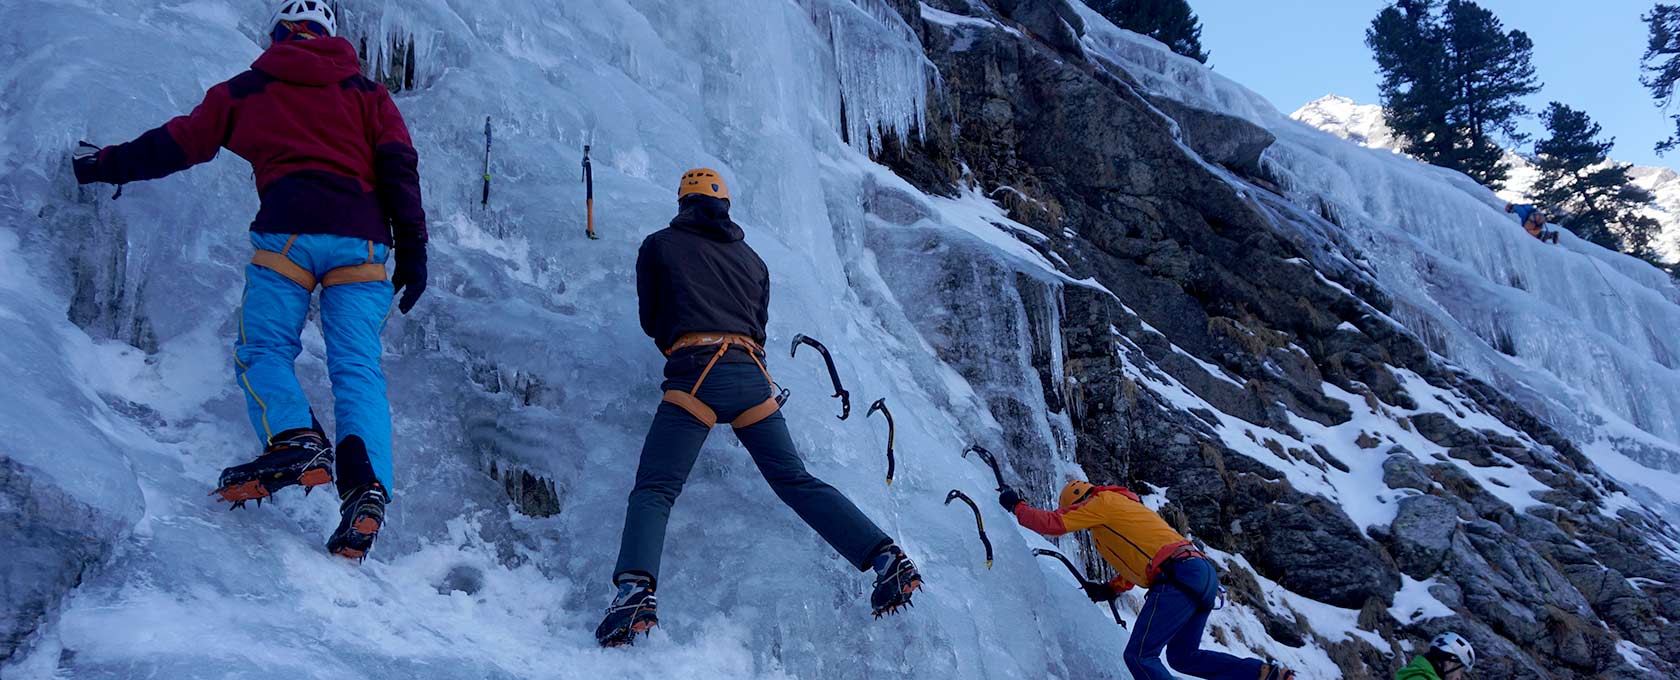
<point>1183,587</point>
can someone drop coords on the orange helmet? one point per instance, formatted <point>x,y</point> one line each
<point>703,181</point>
<point>1075,491</point>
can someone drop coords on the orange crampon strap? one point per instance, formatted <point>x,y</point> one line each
<point>280,264</point>
<point>687,401</point>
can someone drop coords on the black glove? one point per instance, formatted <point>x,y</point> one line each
<point>85,161</point>
<point>1099,592</point>
<point>1009,499</point>
<point>410,276</point>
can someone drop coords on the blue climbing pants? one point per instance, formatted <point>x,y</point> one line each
<point>355,298</point>
<point>1174,615</point>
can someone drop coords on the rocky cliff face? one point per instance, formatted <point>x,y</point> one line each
<point>1227,347</point>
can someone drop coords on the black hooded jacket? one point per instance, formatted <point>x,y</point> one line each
<point>699,275</point>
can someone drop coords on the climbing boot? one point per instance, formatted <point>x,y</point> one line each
<point>896,579</point>
<point>361,515</point>
<point>634,610</point>
<point>299,457</point>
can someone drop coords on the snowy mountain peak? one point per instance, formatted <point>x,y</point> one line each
<point>1359,123</point>
<point>1653,175</point>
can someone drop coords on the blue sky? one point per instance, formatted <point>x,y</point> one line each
<point>1586,53</point>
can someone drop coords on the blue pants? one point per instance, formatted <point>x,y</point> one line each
<point>673,444</point>
<point>271,317</point>
<point>1174,614</point>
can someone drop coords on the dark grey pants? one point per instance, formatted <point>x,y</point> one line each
<point>673,443</point>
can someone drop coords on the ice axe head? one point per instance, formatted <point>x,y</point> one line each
<point>881,406</point>
<point>979,522</point>
<point>991,461</point>
<point>833,372</point>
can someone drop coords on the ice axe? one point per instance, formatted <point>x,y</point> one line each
<point>589,195</point>
<point>990,459</point>
<point>833,374</point>
<point>485,201</point>
<point>881,405</point>
<point>1083,582</point>
<point>979,523</point>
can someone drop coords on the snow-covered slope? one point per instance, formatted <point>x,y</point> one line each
<point>1577,333</point>
<point>1363,124</point>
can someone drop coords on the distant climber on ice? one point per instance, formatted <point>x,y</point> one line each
<point>1449,657</point>
<point>339,185</point>
<point>1183,587</point>
<point>705,300</point>
<point>1533,221</point>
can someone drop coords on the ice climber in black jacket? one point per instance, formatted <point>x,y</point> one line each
<point>705,299</point>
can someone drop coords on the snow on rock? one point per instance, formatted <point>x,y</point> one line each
<point>1415,603</point>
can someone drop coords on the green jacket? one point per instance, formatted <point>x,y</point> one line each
<point>1419,669</point>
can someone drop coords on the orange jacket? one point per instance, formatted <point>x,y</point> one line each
<point>1129,536</point>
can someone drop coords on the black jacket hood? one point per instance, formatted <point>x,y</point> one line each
<point>708,217</point>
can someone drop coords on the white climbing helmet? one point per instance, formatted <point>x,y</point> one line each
<point>317,11</point>
<point>1455,644</point>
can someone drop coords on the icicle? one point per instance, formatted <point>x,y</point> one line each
<point>394,52</point>
<point>882,70</point>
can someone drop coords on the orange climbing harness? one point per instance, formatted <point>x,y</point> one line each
<point>284,266</point>
<point>687,401</point>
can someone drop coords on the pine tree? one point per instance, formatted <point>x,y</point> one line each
<point>1601,203</point>
<point>1453,80</point>
<point>1414,89</point>
<point>1662,62</point>
<point>1169,21</point>
<point>1491,71</point>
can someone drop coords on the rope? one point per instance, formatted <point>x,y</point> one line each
<point>1607,283</point>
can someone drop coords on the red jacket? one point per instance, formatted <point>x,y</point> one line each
<point>329,148</point>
